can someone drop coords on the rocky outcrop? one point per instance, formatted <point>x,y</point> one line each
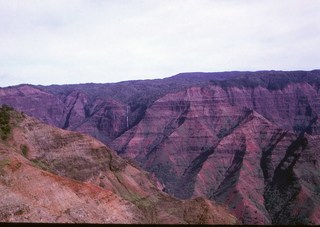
<point>52,175</point>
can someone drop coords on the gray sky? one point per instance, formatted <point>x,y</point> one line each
<point>78,41</point>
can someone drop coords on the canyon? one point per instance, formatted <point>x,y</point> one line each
<point>245,140</point>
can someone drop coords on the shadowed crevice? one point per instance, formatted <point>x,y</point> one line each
<point>67,122</point>
<point>265,162</point>
<point>280,194</point>
<point>231,177</point>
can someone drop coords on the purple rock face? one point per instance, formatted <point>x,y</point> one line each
<point>248,140</point>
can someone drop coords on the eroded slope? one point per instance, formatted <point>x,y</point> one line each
<point>52,175</point>
<point>204,141</point>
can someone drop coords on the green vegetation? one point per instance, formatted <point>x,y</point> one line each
<point>3,163</point>
<point>24,150</point>
<point>41,165</point>
<point>5,127</point>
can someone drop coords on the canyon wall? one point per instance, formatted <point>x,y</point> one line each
<point>244,139</point>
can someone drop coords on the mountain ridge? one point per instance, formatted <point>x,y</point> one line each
<point>226,139</point>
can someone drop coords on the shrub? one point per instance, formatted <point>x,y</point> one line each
<point>5,127</point>
<point>24,150</point>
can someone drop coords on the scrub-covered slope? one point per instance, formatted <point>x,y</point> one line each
<point>52,175</point>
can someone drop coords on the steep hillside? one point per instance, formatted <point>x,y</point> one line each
<point>247,140</point>
<point>52,175</point>
<point>200,142</point>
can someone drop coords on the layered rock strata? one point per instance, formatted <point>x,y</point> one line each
<point>244,139</point>
<point>52,175</point>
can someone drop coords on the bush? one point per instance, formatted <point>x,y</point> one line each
<point>5,127</point>
<point>24,150</point>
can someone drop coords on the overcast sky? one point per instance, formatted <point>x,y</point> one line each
<point>78,41</point>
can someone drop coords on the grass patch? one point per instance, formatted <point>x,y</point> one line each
<point>3,163</point>
<point>41,165</point>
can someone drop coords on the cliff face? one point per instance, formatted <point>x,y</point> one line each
<point>247,140</point>
<point>215,142</point>
<point>52,175</point>
<point>99,110</point>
